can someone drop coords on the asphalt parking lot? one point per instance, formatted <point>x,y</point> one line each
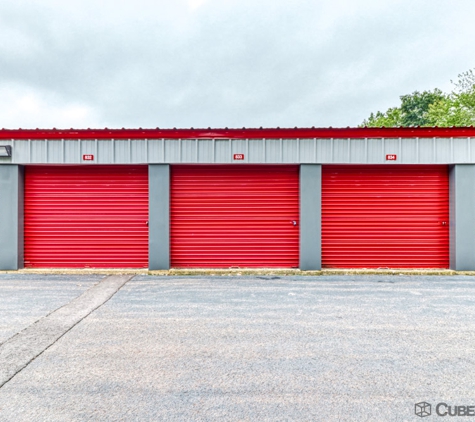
<point>343,348</point>
<point>27,298</point>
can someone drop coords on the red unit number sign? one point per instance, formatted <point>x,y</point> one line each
<point>88,157</point>
<point>238,156</point>
<point>391,157</point>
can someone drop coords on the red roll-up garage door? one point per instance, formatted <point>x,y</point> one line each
<point>385,216</point>
<point>234,216</point>
<point>86,216</point>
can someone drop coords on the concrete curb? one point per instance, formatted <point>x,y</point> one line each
<point>239,272</point>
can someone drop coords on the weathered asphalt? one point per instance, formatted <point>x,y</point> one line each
<point>360,348</point>
<point>25,298</point>
<point>18,351</point>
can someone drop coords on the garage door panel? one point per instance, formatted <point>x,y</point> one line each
<point>382,216</point>
<point>86,216</point>
<point>234,216</point>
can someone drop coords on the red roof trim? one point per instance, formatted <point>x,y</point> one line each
<point>245,133</point>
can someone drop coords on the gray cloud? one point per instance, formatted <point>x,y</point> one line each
<point>227,63</point>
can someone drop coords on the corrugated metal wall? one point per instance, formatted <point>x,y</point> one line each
<point>385,217</point>
<point>82,216</point>
<point>270,151</point>
<point>234,216</point>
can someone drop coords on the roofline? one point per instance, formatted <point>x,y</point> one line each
<point>244,133</point>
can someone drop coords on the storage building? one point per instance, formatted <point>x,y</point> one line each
<point>236,198</point>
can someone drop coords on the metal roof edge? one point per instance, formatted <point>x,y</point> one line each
<point>244,133</point>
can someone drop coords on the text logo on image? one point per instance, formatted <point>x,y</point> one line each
<point>422,409</point>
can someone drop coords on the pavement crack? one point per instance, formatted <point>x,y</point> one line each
<point>23,348</point>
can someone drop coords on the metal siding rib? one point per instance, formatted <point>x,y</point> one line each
<point>375,151</point>
<point>139,152</point>
<point>408,153</point>
<point>205,151</point>
<point>324,150</point>
<point>222,150</point>
<point>21,152</point>
<point>461,154</point>
<point>105,154</point>
<point>385,216</point>
<point>256,151</point>
<point>306,151</point>
<point>358,151</point>
<point>426,151</point>
<point>38,152</point>
<point>444,152</point>
<point>86,216</point>
<point>55,152</point>
<point>340,150</point>
<point>273,151</point>
<point>188,151</point>
<point>234,216</point>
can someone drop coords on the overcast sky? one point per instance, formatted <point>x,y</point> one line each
<point>218,63</point>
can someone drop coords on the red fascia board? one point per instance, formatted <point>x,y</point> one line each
<point>251,133</point>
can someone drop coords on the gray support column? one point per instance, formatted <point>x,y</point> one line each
<point>462,217</point>
<point>11,217</point>
<point>159,217</point>
<point>310,217</point>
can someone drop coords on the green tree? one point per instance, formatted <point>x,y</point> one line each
<point>415,107</point>
<point>458,108</point>
<point>413,111</point>
<point>391,118</point>
<point>432,108</point>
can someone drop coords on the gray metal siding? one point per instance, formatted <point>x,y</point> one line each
<point>462,217</point>
<point>310,217</point>
<point>11,221</point>
<point>159,217</point>
<point>270,151</point>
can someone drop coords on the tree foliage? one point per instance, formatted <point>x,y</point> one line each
<point>432,108</point>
